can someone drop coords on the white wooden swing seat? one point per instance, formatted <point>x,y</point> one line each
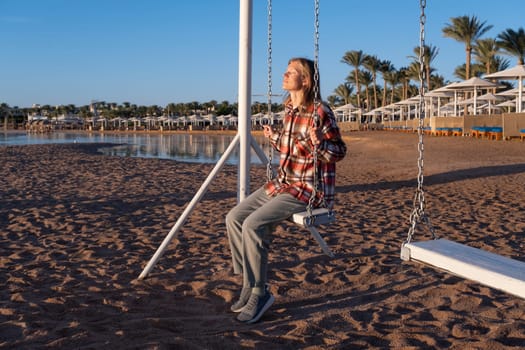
<point>487,268</point>
<point>319,216</point>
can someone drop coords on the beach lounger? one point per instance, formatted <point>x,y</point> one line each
<point>495,133</point>
<point>457,132</point>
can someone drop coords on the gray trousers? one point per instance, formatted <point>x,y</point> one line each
<point>249,226</point>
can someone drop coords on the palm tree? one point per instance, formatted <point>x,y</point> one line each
<point>365,78</point>
<point>403,76</point>
<point>485,52</point>
<point>437,81</point>
<point>412,72</point>
<point>4,111</point>
<point>170,109</point>
<point>429,54</point>
<point>385,68</point>
<point>213,104</point>
<point>225,108</point>
<point>476,70</point>
<point>355,59</point>
<point>513,43</point>
<point>373,64</point>
<point>181,109</point>
<point>344,91</point>
<point>333,100</point>
<point>196,106</point>
<point>467,30</point>
<point>392,77</point>
<point>499,63</point>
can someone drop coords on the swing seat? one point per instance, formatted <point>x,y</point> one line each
<point>478,265</point>
<point>320,216</point>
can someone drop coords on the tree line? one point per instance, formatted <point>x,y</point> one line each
<point>361,89</point>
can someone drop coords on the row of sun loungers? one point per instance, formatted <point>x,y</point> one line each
<point>479,132</point>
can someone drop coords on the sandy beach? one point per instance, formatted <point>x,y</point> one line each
<point>77,228</point>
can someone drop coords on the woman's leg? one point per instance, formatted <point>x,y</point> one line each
<point>256,232</point>
<point>234,222</point>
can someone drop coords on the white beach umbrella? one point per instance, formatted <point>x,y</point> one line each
<point>510,92</point>
<point>373,112</point>
<point>280,115</point>
<point>516,73</point>
<point>488,97</point>
<point>210,118</point>
<point>439,95</point>
<point>445,89</point>
<point>234,120</point>
<point>183,120</point>
<point>412,101</point>
<point>223,119</point>
<point>508,104</point>
<point>474,84</point>
<point>345,111</point>
<point>345,107</point>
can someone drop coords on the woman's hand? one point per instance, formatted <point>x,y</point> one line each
<point>267,131</point>
<point>316,136</point>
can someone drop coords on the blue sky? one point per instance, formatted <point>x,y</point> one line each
<point>160,51</point>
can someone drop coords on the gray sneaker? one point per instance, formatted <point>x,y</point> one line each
<point>243,299</point>
<point>256,307</point>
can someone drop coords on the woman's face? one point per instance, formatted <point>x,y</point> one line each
<point>292,78</point>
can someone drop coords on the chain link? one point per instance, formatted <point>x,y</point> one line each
<point>269,58</point>
<point>269,170</point>
<point>316,55</point>
<point>315,115</point>
<point>418,212</point>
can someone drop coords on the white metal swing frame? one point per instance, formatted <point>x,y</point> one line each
<point>243,139</point>
<point>478,265</point>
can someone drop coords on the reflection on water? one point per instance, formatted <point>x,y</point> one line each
<point>199,148</point>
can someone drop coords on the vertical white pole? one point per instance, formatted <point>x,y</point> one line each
<point>245,93</point>
<point>475,100</point>
<point>520,94</point>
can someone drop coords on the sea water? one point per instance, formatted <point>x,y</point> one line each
<point>196,148</point>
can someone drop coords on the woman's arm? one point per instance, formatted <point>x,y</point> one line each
<point>331,147</point>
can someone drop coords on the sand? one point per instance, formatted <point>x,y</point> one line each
<point>77,228</point>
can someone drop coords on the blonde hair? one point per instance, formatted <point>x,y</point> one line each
<point>307,67</point>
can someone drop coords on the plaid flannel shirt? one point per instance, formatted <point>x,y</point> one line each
<point>296,168</point>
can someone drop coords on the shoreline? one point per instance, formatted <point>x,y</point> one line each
<point>344,133</point>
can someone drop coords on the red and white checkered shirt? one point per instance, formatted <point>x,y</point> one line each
<point>296,163</point>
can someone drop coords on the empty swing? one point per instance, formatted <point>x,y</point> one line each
<point>312,217</point>
<point>478,265</point>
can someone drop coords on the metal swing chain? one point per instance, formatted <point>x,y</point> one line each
<point>418,212</point>
<point>316,120</point>
<point>269,170</point>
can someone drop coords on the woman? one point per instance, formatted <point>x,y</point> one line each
<point>250,223</point>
